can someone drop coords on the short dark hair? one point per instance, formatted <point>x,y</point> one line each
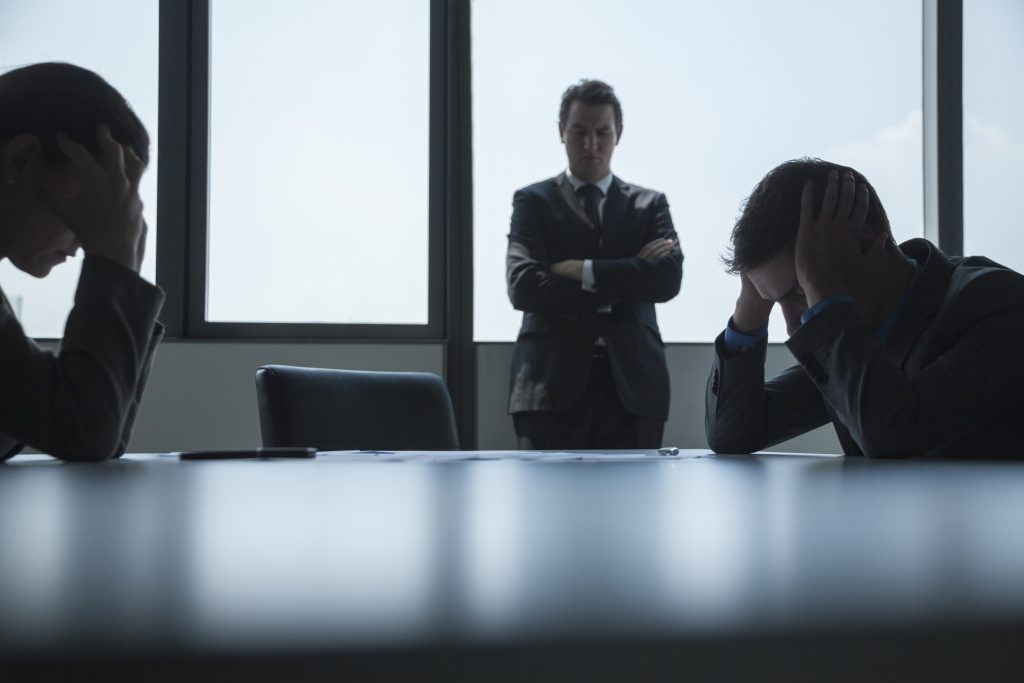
<point>771,214</point>
<point>591,92</point>
<point>52,97</point>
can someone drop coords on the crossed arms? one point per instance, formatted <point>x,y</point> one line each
<point>538,284</point>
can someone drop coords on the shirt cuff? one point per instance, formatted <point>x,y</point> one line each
<point>735,341</point>
<point>822,305</point>
<point>588,276</point>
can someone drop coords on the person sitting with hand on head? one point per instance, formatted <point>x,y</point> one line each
<point>908,352</point>
<point>72,152</point>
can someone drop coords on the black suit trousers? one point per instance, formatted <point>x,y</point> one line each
<point>597,421</point>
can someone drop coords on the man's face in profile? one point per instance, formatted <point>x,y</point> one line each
<point>776,281</point>
<point>590,137</point>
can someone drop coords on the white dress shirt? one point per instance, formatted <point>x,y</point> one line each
<point>588,265</point>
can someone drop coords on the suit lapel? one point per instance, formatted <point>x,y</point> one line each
<point>923,301</point>
<point>615,208</point>
<point>572,202</point>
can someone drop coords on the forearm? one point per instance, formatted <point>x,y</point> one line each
<point>891,413</point>
<point>533,287</point>
<point>77,404</point>
<point>140,387</point>
<point>639,279</point>
<point>743,413</point>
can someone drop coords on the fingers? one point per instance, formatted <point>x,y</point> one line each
<point>876,247</point>
<point>846,196</point>
<point>115,157</point>
<point>657,248</point>
<point>807,204</point>
<point>111,150</point>
<point>79,156</point>
<point>828,204</point>
<point>860,207</point>
<point>133,167</point>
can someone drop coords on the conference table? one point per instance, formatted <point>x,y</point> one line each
<point>475,566</point>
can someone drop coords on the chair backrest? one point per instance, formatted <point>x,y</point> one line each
<point>342,410</point>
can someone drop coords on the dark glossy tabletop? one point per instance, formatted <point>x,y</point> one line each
<point>152,556</point>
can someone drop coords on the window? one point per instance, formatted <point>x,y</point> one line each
<point>319,162</point>
<point>118,40</point>
<point>993,60</point>
<point>713,96</point>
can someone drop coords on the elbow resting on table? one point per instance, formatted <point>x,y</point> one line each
<point>98,446</point>
<point>724,445</point>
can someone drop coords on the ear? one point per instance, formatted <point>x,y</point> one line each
<point>561,132</point>
<point>618,136</point>
<point>22,160</point>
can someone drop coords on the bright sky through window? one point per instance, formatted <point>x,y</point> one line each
<point>713,96</point>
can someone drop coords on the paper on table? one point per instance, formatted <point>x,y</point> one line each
<point>535,456</point>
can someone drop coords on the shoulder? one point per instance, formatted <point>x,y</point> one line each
<point>979,288</point>
<point>966,290</point>
<point>638,195</point>
<point>543,189</point>
<point>980,274</point>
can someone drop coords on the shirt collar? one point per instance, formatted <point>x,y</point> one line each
<point>603,184</point>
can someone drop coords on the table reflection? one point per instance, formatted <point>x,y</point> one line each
<point>153,553</point>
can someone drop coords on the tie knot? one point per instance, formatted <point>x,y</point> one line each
<point>590,193</point>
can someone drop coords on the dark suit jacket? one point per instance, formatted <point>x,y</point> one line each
<point>949,382</point>
<point>80,404</point>
<point>552,355</point>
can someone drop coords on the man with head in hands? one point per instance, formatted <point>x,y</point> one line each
<point>908,352</point>
<point>588,257</point>
<point>71,155</point>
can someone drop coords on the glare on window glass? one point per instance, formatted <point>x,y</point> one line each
<point>713,96</point>
<point>118,39</point>
<point>318,162</point>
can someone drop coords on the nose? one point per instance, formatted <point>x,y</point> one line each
<point>590,141</point>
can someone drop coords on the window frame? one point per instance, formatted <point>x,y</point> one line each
<point>184,190</point>
<point>184,157</point>
<point>184,162</point>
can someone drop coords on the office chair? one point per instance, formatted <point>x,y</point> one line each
<point>343,410</point>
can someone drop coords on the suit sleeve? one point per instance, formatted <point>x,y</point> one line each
<point>79,403</point>
<point>140,387</point>
<point>892,414</point>
<point>743,413</point>
<point>639,279</point>
<point>531,285</point>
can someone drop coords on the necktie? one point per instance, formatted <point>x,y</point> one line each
<point>591,196</point>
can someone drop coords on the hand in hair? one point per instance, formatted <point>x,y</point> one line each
<point>828,247</point>
<point>106,214</point>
